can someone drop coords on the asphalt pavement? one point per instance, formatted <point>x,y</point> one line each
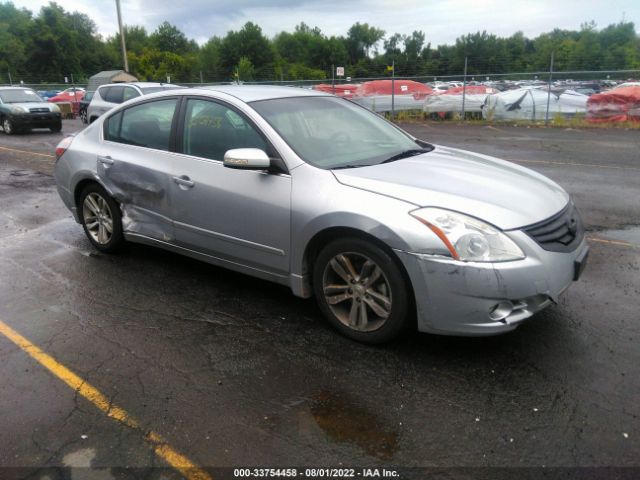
<point>207,367</point>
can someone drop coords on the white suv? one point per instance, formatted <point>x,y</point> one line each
<point>108,96</point>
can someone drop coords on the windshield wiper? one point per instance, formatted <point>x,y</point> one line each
<point>341,167</point>
<point>407,153</point>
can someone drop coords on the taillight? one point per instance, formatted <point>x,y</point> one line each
<point>62,146</point>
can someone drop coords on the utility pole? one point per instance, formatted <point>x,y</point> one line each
<point>122,42</point>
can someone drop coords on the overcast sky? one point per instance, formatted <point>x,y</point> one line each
<point>441,20</point>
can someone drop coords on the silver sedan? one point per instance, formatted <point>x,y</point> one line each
<point>319,194</point>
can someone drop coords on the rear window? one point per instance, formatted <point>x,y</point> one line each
<point>114,95</point>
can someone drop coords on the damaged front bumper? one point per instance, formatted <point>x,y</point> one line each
<point>474,298</point>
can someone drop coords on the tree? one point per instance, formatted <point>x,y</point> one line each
<point>360,38</point>
<point>248,42</point>
<point>168,38</point>
<point>244,70</point>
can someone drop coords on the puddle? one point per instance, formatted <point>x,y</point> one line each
<point>346,422</point>
<point>631,235</point>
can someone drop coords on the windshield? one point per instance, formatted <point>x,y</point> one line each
<point>148,90</point>
<point>330,132</point>
<point>19,96</point>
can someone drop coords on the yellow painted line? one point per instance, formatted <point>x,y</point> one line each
<point>614,242</point>
<point>27,152</point>
<point>573,164</point>
<point>100,401</point>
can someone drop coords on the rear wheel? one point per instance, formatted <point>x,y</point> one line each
<point>56,128</point>
<point>361,290</point>
<point>101,218</point>
<point>83,116</point>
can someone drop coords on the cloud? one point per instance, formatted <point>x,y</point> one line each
<point>441,20</point>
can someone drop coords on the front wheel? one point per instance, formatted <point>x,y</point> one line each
<point>56,128</point>
<point>361,290</point>
<point>7,125</point>
<point>101,219</point>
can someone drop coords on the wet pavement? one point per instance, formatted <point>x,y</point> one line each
<point>236,372</point>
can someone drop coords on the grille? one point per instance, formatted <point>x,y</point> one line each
<point>561,233</point>
<point>39,110</point>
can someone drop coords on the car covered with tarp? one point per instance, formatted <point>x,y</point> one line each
<point>452,99</point>
<point>621,104</point>
<point>407,95</point>
<point>531,104</point>
<point>345,90</point>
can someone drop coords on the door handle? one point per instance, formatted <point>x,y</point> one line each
<point>184,181</point>
<point>107,160</point>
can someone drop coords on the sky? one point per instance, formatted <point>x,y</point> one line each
<point>441,20</point>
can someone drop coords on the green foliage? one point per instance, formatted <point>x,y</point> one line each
<point>244,70</point>
<point>55,43</point>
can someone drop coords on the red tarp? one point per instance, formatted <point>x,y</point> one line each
<point>471,90</point>
<point>72,98</point>
<point>400,87</point>
<point>618,105</point>
<point>346,90</point>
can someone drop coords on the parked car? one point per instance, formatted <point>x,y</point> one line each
<point>108,96</point>
<point>72,97</point>
<point>84,103</point>
<point>72,90</point>
<point>317,193</point>
<point>21,109</point>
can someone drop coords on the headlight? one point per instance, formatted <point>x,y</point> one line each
<point>18,110</point>
<point>467,238</point>
<point>55,108</point>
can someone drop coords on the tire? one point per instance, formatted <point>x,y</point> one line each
<point>98,211</point>
<point>351,274</point>
<point>7,125</point>
<point>56,128</point>
<point>83,117</point>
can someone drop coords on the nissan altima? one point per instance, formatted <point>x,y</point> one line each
<point>311,191</point>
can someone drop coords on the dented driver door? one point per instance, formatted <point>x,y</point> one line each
<point>135,165</point>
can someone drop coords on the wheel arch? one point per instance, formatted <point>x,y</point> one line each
<point>329,234</point>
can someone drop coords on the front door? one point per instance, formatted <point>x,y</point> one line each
<point>240,216</point>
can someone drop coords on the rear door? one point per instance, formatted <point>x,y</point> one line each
<point>135,164</point>
<point>241,216</point>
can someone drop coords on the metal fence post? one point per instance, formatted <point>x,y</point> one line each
<point>546,118</point>
<point>393,90</point>
<point>464,86</point>
<point>333,79</point>
<point>10,80</point>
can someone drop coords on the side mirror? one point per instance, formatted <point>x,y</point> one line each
<point>246,159</point>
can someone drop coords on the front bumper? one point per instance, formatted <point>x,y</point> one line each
<point>36,120</point>
<point>457,298</point>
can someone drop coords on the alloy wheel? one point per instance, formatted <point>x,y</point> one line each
<point>357,291</point>
<point>6,125</point>
<point>97,218</point>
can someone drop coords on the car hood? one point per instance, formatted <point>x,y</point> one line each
<point>502,193</point>
<point>29,105</point>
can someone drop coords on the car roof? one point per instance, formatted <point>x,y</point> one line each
<point>253,93</point>
<point>141,84</point>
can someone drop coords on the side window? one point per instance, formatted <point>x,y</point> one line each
<point>147,125</point>
<point>210,129</point>
<point>114,95</point>
<point>129,93</point>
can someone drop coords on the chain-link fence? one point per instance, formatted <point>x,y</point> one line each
<point>566,97</point>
